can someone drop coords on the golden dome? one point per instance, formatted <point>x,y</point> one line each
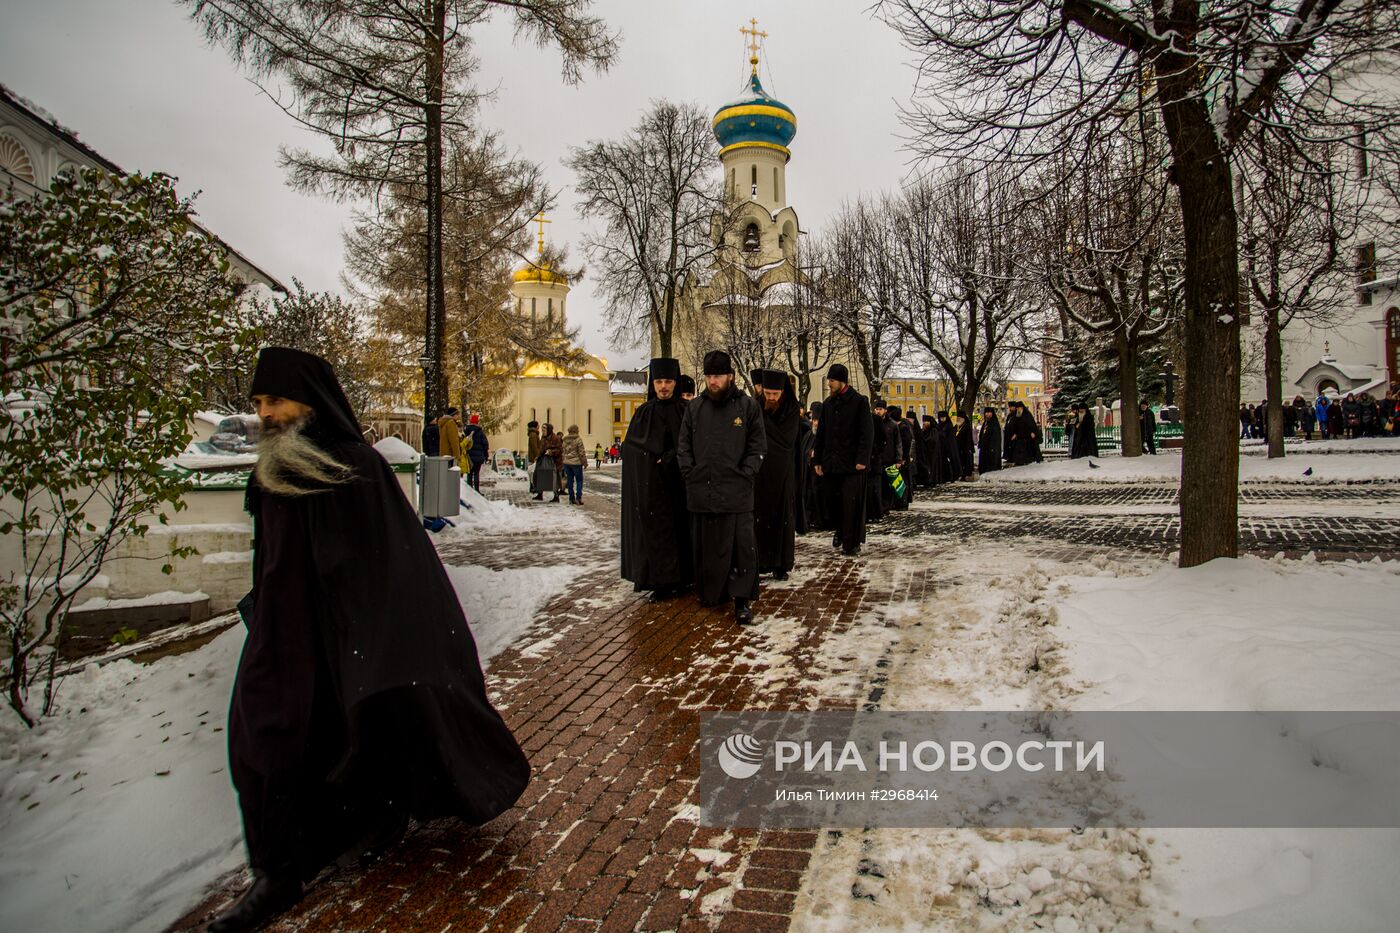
<point>539,273</point>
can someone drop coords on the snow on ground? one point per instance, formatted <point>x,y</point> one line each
<point>1358,445</point>
<point>1327,466</point>
<point>118,812</point>
<point>492,515</point>
<point>1134,633</point>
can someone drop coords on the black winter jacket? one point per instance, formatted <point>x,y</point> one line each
<point>720,451</point>
<point>845,434</point>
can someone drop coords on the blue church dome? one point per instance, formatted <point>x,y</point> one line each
<point>755,119</point>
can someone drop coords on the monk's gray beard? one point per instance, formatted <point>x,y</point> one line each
<point>290,464</point>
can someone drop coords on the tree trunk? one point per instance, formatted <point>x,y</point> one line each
<point>435,380</point>
<point>1130,430</point>
<point>1273,379</point>
<point>1211,400</point>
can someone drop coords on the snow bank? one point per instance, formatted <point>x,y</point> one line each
<point>396,451</point>
<point>1326,466</point>
<point>491,515</point>
<point>1252,634</point>
<point>1360,445</point>
<point>118,812</point>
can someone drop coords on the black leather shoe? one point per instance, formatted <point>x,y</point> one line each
<point>661,595</point>
<point>742,613</point>
<point>836,540</point>
<point>852,551</point>
<point>780,575</point>
<point>265,900</point>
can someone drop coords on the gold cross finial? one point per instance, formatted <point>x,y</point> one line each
<point>754,35</point>
<point>539,219</point>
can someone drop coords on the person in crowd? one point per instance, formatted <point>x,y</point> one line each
<point>893,455</point>
<point>1246,421</point>
<point>923,467</point>
<point>989,442</point>
<point>909,447</point>
<point>656,551</point>
<point>1320,407</point>
<point>1147,425</point>
<point>359,700</point>
<point>1290,421</point>
<point>533,448</point>
<point>962,437</point>
<point>478,450</point>
<point>1022,445</point>
<point>721,450</point>
<point>775,489</point>
<point>598,456</point>
<point>552,447</point>
<point>1351,415</point>
<point>1386,411</point>
<point>817,518</point>
<point>842,455</point>
<point>575,457</point>
<point>801,517</point>
<point>1305,415</point>
<point>1368,414</point>
<point>884,450</point>
<point>948,440</point>
<point>450,439</point>
<point>1086,441</point>
<point>933,439</point>
<point>432,440</point>
<point>685,388</point>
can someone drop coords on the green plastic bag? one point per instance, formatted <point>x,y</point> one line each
<point>896,479</point>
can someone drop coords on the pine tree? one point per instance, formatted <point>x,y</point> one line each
<point>1075,380</point>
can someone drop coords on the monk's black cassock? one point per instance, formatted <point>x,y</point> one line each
<point>655,523</point>
<point>721,450</point>
<point>775,490</point>
<point>359,691</point>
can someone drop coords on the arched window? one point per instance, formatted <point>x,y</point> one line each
<point>751,240</point>
<point>534,311</point>
<point>753,179</point>
<point>777,196</point>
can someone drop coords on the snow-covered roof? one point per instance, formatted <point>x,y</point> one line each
<point>396,451</point>
<point>629,382</point>
<point>1024,375</point>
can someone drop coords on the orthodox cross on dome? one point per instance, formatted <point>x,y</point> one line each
<point>539,219</point>
<point>754,35</point>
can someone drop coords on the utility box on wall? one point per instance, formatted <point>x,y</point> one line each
<point>441,487</point>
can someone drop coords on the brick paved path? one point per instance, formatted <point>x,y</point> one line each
<point>606,697</point>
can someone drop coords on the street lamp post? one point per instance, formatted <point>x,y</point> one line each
<point>426,363</point>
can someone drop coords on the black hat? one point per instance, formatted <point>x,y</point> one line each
<point>816,409</point>
<point>928,418</point>
<point>989,410</point>
<point>685,385</point>
<point>774,379</point>
<point>839,372</point>
<point>306,378</point>
<point>664,367</point>
<point>756,378</point>
<point>532,424</point>
<point>718,363</point>
<point>877,403</point>
<point>896,411</point>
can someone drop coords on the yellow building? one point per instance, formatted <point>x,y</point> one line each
<point>628,391</point>
<point>922,394</point>
<point>545,392</point>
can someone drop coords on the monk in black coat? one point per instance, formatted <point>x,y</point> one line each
<point>933,441</point>
<point>359,699</point>
<point>1086,442</point>
<point>989,442</point>
<point>885,452</point>
<point>720,452</point>
<point>802,517</point>
<point>775,490</point>
<point>817,518</point>
<point>656,551</point>
<point>962,436</point>
<point>843,460</point>
<point>1022,436</point>
<point>952,462</point>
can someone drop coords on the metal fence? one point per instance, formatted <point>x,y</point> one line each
<point>1110,437</point>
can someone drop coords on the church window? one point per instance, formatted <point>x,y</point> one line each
<point>590,421</point>
<point>534,312</point>
<point>777,196</point>
<point>534,416</point>
<point>731,181</point>
<point>617,414</point>
<point>549,416</point>
<point>923,389</point>
<point>551,310</point>
<point>1363,161</point>
<point>563,419</point>
<point>751,241</point>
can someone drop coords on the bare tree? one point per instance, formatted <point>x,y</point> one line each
<point>656,193</point>
<point>386,81</point>
<point>1112,259</point>
<point>860,291</point>
<point>962,251</point>
<point>1040,78</point>
<point>1298,207</point>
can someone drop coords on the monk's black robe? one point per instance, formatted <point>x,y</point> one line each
<point>655,523</point>
<point>359,697</point>
<point>775,489</point>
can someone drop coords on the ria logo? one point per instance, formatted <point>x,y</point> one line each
<point>741,755</point>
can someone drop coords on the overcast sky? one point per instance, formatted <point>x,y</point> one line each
<point>136,82</point>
